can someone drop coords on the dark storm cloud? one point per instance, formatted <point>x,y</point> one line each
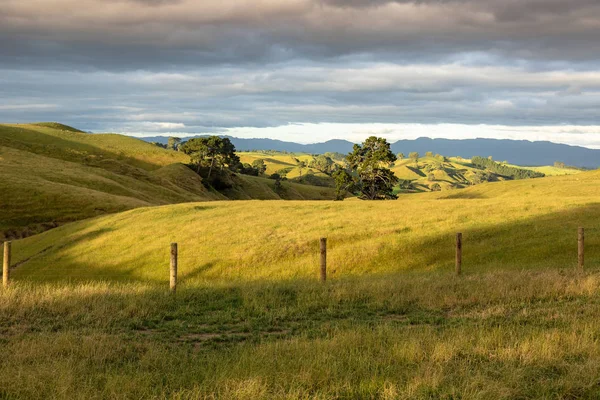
<point>190,66</point>
<point>104,33</point>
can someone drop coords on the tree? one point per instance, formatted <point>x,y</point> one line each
<point>344,183</point>
<point>247,169</point>
<point>414,156</point>
<point>159,144</point>
<point>431,177</point>
<point>260,166</point>
<point>210,152</point>
<point>400,156</point>
<point>322,163</point>
<point>559,164</point>
<point>173,142</point>
<point>367,173</point>
<point>429,154</point>
<point>277,178</point>
<point>436,187</point>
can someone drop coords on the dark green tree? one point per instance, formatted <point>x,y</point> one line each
<point>260,166</point>
<point>277,178</point>
<point>210,152</point>
<point>344,183</point>
<point>367,167</point>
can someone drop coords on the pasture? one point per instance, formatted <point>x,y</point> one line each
<point>88,314</point>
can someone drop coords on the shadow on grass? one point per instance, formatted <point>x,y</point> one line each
<point>547,241</point>
<point>544,242</point>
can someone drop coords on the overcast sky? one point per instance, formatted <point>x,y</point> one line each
<point>306,70</point>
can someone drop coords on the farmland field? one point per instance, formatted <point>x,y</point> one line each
<point>89,314</point>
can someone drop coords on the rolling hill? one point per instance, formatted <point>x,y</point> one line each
<point>88,313</point>
<point>507,224</point>
<point>52,174</point>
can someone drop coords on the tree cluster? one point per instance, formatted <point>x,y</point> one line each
<point>211,152</point>
<point>505,170</point>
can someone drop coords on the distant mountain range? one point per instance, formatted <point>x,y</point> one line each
<point>520,152</point>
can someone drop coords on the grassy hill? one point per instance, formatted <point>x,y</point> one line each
<point>288,166</point>
<point>52,174</point>
<point>89,315</point>
<point>506,224</point>
<point>447,172</point>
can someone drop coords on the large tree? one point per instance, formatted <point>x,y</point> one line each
<point>210,152</point>
<point>367,170</point>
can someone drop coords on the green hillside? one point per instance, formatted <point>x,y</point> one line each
<point>446,173</point>
<point>52,174</point>
<point>288,165</point>
<point>506,224</point>
<point>88,314</point>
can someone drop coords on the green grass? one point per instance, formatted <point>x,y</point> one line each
<point>500,335</point>
<point>554,171</point>
<point>509,225</point>
<point>88,314</point>
<point>53,174</point>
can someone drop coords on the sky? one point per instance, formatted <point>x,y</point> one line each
<point>306,70</point>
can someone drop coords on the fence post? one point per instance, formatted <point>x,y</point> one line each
<point>323,259</point>
<point>458,253</point>
<point>6,264</point>
<point>580,248</point>
<point>173,281</point>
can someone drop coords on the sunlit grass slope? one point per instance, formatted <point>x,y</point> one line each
<point>70,144</point>
<point>452,173</point>
<point>51,174</point>
<point>251,321</point>
<point>507,225</point>
<point>554,171</point>
<point>286,165</point>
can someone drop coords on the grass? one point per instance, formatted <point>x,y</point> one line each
<point>88,314</point>
<point>509,225</point>
<point>500,335</point>
<point>54,174</point>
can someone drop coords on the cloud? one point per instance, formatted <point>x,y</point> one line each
<point>152,33</point>
<point>212,66</point>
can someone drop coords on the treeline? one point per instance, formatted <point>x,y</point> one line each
<point>505,170</point>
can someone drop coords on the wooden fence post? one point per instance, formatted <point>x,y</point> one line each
<point>173,282</point>
<point>323,259</point>
<point>580,248</point>
<point>458,253</point>
<point>6,264</point>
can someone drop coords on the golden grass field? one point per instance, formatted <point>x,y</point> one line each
<point>88,314</point>
<point>52,174</point>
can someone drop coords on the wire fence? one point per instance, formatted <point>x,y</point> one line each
<point>7,265</point>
